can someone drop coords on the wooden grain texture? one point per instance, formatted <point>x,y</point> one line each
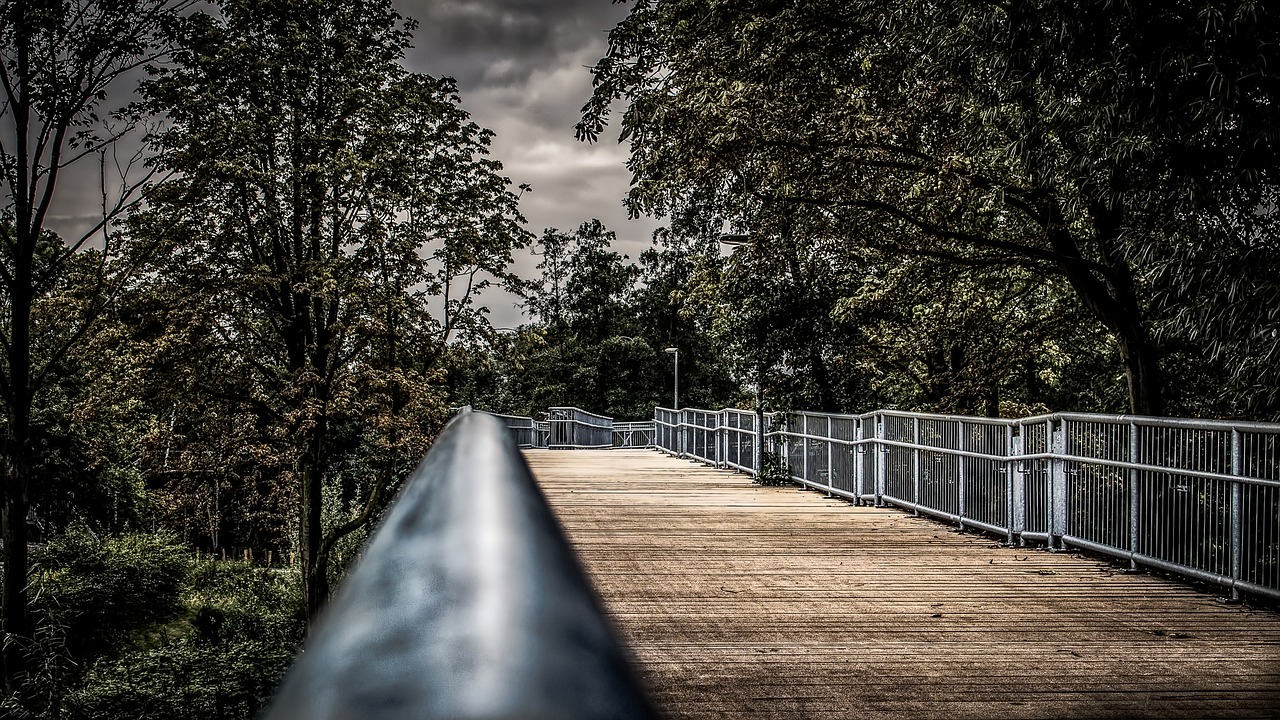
<point>742,601</point>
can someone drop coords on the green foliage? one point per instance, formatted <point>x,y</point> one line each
<point>774,471</point>
<point>601,328</point>
<point>1094,142</point>
<point>59,62</point>
<point>102,591</point>
<point>182,679</point>
<point>133,626</point>
<point>239,632</point>
<point>299,263</point>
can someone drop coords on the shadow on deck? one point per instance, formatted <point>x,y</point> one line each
<point>747,601</point>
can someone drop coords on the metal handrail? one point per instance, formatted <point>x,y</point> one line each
<point>573,428</point>
<point>633,434</point>
<point>523,429</point>
<point>468,603</point>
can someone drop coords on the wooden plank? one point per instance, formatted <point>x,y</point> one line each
<point>745,601</point>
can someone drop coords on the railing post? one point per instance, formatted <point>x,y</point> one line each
<point>758,451</point>
<point>804,449</point>
<point>1057,482</point>
<point>963,444</point>
<point>723,431</point>
<point>722,436</point>
<point>831,467</point>
<point>882,461</point>
<point>859,470</point>
<point>1015,477</point>
<point>780,445</point>
<point>1237,524</point>
<point>1135,495</point>
<point>915,469</point>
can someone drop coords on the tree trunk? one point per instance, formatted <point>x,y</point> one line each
<point>15,621</point>
<point>1114,301</point>
<point>1121,315</point>
<point>1142,372</point>
<point>315,580</point>
<point>311,466</point>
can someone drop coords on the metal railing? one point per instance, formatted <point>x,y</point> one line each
<point>572,428</point>
<point>569,427</point>
<point>1197,498</point>
<point>633,434</point>
<point>523,429</point>
<point>467,603</point>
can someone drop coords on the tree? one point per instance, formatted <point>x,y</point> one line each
<point>1078,139</point>
<point>1001,342</point>
<point>674,311</point>
<point>547,299</point>
<point>583,301</point>
<point>59,59</point>
<point>324,194</point>
<point>776,313</point>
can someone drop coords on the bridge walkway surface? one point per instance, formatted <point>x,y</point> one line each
<point>769,602</point>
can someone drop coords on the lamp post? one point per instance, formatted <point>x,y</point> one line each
<point>675,401</point>
<point>734,240</point>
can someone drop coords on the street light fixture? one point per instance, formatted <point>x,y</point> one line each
<point>675,403</point>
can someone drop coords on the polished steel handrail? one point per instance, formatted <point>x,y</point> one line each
<point>467,603</point>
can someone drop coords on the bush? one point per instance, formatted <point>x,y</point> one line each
<point>104,591</point>
<point>774,472</point>
<point>240,630</point>
<point>135,627</point>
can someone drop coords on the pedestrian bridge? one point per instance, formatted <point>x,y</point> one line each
<point>746,601</point>
<point>834,596</point>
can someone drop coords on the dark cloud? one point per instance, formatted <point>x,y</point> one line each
<point>503,42</point>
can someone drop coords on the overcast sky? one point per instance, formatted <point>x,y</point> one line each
<point>521,67</point>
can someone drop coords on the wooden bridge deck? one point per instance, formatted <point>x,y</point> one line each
<point>745,601</point>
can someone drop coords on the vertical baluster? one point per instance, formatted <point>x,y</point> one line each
<point>1135,495</point>
<point>1237,524</point>
<point>915,459</point>
<point>831,470</point>
<point>882,459</point>
<point>1055,431</point>
<point>962,477</point>
<point>804,448</point>
<point>1014,477</point>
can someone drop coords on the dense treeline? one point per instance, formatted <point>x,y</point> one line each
<point>966,207</point>
<point>600,329</point>
<point>1117,157</point>
<point>808,324</point>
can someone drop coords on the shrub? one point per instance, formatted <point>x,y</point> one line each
<point>135,627</point>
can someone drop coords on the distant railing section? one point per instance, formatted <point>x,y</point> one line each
<point>468,602</point>
<point>633,434</point>
<point>570,427</point>
<point>575,428</point>
<point>1198,498</point>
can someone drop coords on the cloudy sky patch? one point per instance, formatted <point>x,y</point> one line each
<point>521,67</point>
